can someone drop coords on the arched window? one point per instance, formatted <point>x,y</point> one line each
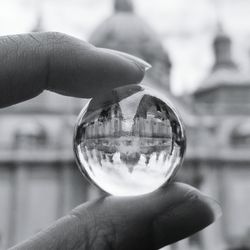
<point>30,135</point>
<point>240,135</point>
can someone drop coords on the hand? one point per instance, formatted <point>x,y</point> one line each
<point>36,62</point>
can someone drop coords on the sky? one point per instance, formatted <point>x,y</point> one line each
<point>186,28</point>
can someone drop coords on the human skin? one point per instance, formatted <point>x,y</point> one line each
<point>37,62</point>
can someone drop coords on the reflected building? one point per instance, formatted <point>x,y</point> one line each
<point>150,120</point>
<point>105,130</point>
<point>107,124</point>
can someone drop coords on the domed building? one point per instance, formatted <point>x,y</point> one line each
<point>36,157</point>
<point>126,31</point>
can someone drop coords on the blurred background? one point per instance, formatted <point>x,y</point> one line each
<point>200,53</point>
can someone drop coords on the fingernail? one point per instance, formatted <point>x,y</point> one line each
<point>143,65</point>
<point>215,207</point>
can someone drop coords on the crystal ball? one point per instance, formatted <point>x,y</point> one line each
<point>129,141</point>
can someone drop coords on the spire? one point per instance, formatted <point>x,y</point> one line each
<point>38,26</point>
<point>222,50</point>
<point>123,6</point>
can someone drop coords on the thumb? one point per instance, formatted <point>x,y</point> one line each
<point>142,222</point>
<point>150,221</point>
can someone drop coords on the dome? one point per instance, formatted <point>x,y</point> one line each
<point>224,71</point>
<point>127,32</point>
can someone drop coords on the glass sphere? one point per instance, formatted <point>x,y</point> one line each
<point>129,141</point>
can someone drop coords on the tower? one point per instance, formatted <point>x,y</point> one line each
<point>225,90</point>
<point>222,50</point>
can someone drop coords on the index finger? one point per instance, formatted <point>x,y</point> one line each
<point>81,72</point>
<point>31,63</point>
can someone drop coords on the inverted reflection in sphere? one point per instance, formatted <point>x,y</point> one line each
<point>129,141</point>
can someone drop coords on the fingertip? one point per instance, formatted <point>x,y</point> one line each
<point>122,67</point>
<point>189,212</point>
<point>143,65</point>
<point>213,208</point>
<point>210,205</point>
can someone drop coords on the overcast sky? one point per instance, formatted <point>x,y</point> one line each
<point>186,27</point>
